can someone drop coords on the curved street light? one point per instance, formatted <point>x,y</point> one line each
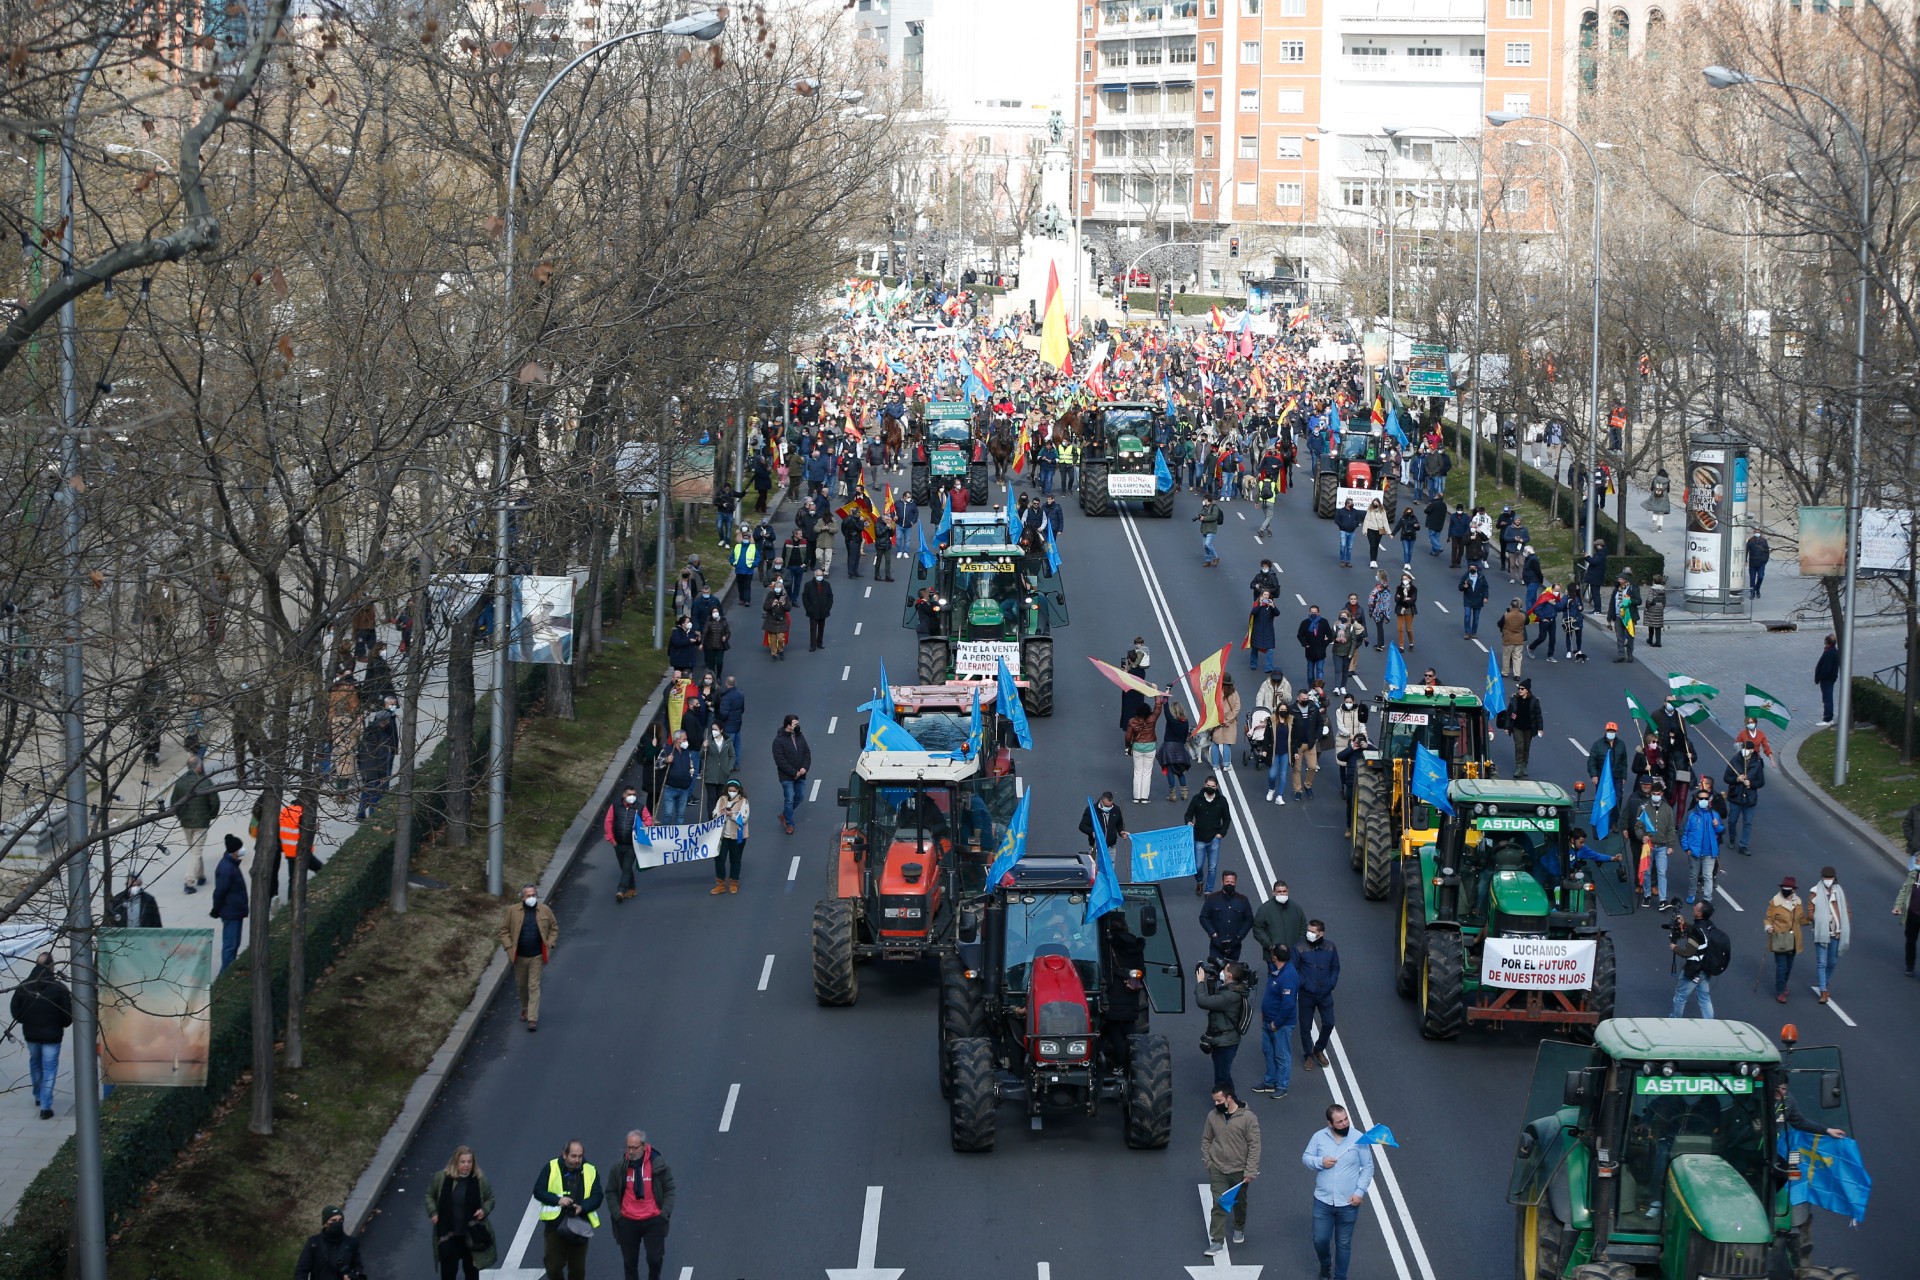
<point>1728,78</point>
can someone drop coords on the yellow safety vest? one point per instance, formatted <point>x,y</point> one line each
<point>548,1212</point>
<point>1069,454</point>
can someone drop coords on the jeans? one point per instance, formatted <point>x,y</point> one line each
<point>1220,754</point>
<point>1256,656</point>
<point>1622,641</point>
<point>1703,869</point>
<point>1658,872</point>
<point>1276,1046</point>
<point>1333,1237</point>
<point>1206,543</point>
<point>1826,701</point>
<point>1316,669</point>
<point>1206,863</point>
<point>1826,958</point>
<point>1223,1064</point>
<point>1740,824</point>
<point>791,794</point>
<point>624,857</point>
<point>1684,987</point>
<point>1756,574</point>
<point>1782,971</point>
<point>230,931</point>
<point>1433,542</point>
<point>1544,635</point>
<point>673,805</point>
<point>723,522</point>
<point>1309,1006</point>
<point>1346,546</point>
<point>1532,594</point>
<point>743,587</point>
<point>1406,551</point>
<point>1471,620</point>
<point>1278,770</point>
<point>43,1064</point>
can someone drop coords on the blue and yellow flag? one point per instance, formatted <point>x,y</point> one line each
<point>1833,1175</point>
<point>1378,1136</point>
<point>925,554</point>
<point>884,733</point>
<point>1396,668</point>
<point>1162,477</point>
<point>1166,854</point>
<point>1013,525</point>
<point>1430,779</point>
<point>1604,797</point>
<point>1009,704</point>
<point>1494,697</point>
<point>1105,896</point>
<point>1012,845</point>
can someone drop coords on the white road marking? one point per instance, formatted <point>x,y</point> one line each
<point>686,1273</point>
<point>1302,599</point>
<point>845,672</point>
<point>1729,897</point>
<point>793,869</point>
<point>1221,1265</point>
<point>1019,786</point>
<point>1241,514</point>
<point>1384,1164</point>
<point>733,1100</point>
<point>1045,1272</point>
<point>864,1269</point>
<point>1476,643</point>
<point>766,972</point>
<point>868,595</point>
<point>833,722</point>
<point>1441,607</point>
<point>857,626</point>
<point>1036,1123</point>
<point>1577,744</point>
<point>1359,683</point>
<point>1840,1013</point>
<point>523,1236</point>
<point>813,792</point>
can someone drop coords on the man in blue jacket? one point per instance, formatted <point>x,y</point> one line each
<point>1227,917</point>
<point>1473,598</point>
<point>1279,1008</point>
<point>1317,961</point>
<point>229,901</point>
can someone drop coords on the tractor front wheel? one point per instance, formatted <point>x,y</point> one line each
<point>970,1117</point>
<point>934,660</point>
<point>836,981</point>
<point>1367,785</point>
<point>1149,1097</point>
<point>1413,935</point>
<point>1160,505</point>
<point>1036,664</point>
<point>1605,980</point>
<point>1443,986</point>
<point>920,482</point>
<point>1540,1243</point>
<point>1326,492</point>
<point>978,485</point>
<point>963,1016</point>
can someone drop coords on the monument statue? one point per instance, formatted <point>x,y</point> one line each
<point>1052,224</point>
<point>1056,129</point>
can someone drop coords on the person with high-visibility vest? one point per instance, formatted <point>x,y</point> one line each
<point>290,815</point>
<point>744,556</point>
<point>569,1192</point>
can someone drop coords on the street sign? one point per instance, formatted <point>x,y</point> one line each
<point>949,410</point>
<point>1428,351</point>
<point>1425,382</point>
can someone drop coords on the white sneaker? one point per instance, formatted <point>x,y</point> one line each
<point>1269,795</point>
<point>1280,800</point>
<point>1373,564</point>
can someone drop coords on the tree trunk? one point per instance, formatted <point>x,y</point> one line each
<point>460,708</point>
<point>297,931</point>
<point>404,802</point>
<point>559,699</point>
<point>266,848</point>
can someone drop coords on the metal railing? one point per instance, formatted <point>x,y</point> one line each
<point>1894,677</point>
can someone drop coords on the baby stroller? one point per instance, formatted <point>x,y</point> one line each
<point>1259,738</point>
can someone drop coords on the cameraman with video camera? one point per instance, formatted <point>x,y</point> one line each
<point>1701,953</point>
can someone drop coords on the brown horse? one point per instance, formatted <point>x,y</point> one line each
<point>893,436</point>
<point>1000,449</point>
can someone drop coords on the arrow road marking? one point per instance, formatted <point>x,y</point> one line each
<point>522,1237</point>
<point>766,972</point>
<point>869,1246</point>
<point>733,1100</point>
<point>1220,1266</point>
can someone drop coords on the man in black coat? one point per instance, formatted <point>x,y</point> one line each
<point>1228,918</point>
<point>816,601</point>
<point>333,1254</point>
<point>43,1007</point>
<point>1125,958</point>
<point>1113,824</point>
<point>792,758</point>
<point>1525,722</point>
<point>229,901</point>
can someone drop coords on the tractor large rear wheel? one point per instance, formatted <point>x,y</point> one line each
<point>1413,935</point>
<point>1326,492</point>
<point>1443,986</point>
<point>970,1117</point>
<point>920,482</point>
<point>1376,874</point>
<point>1036,667</point>
<point>1391,493</point>
<point>934,660</point>
<point>1149,1105</point>
<point>963,1016</point>
<point>1093,489</point>
<point>1603,1271</point>
<point>1160,505</point>
<point>1368,784</point>
<point>1540,1243</point>
<point>835,979</point>
<point>978,484</point>
<point>1605,979</point>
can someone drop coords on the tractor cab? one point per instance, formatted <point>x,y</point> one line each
<point>1389,823</point>
<point>1665,1147</point>
<point>1505,858</point>
<point>1118,463</point>
<point>992,604</point>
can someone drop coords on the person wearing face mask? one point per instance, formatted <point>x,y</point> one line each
<point>1279,1010</point>
<point>1524,723</point>
<point>677,778</point>
<point>1746,774</point>
<point>1230,1152</point>
<point>623,815</point>
<point>1786,917</point>
<point>816,601</point>
<point>1210,818</point>
<point>1113,823</point>
<point>332,1254</point>
<point>1342,1168</point>
<point>1700,837</point>
<point>1317,961</point>
<point>1229,1015</point>
<point>718,762</point>
<point>528,934</point>
<point>1752,732</point>
<point>1349,718</point>
<point>1832,928</point>
<point>733,811</point>
<point>1227,917</point>
<point>1260,632</point>
<point>683,646</point>
<point>1906,903</point>
<point>1280,921</point>
<point>1653,826</point>
<point>134,908</point>
<point>1305,738</point>
<point>1607,748</point>
<point>1349,758</point>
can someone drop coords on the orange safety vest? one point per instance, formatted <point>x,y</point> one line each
<point>290,830</point>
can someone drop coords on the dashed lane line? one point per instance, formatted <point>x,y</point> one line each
<point>733,1100</point>
<point>766,973</point>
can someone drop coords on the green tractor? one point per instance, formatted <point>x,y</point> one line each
<point>991,603</point>
<point>947,450</point>
<point>1117,464</point>
<point>1388,823</point>
<point>1501,922</point>
<point>1656,1151</point>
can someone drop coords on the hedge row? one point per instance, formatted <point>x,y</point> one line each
<point>1880,705</point>
<point>1637,556</point>
<point>143,1130</point>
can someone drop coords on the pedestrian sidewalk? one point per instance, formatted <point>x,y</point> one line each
<point>159,854</point>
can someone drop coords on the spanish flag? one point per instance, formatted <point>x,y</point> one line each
<point>862,509</point>
<point>1219,322</point>
<point>1205,681</point>
<point>1054,349</point>
<point>1020,453</point>
<point>1379,415</point>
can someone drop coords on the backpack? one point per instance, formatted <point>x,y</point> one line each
<point>1718,954</point>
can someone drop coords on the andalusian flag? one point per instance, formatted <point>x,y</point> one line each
<point>1637,711</point>
<point>1054,349</point>
<point>1688,689</point>
<point>1762,705</point>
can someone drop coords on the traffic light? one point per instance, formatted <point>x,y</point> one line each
<point>1233,247</point>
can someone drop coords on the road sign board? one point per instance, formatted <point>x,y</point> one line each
<point>945,410</point>
<point>1428,350</point>
<point>1421,382</point>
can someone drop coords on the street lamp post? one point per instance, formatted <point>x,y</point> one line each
<point>1501,118</point>
<point>698,26</point>
<point>1727,78</point>
<point>1479,315</point>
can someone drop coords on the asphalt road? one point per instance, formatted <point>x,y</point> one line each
<point>791,1127</point>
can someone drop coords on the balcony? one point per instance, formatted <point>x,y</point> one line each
<point>1439,14</point>
<point>1448,68</point>
<point>1171,18</point>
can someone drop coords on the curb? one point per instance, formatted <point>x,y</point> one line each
<point>581,833</point>
<point>1866,832</point>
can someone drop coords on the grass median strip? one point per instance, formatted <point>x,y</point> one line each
<point>375,1019</point>
<point>1879,787</point>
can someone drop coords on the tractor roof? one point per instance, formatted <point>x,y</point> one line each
<point>1506,791</point>
<point>983,551</point>
<point>1683,1039</point>
<point>1146,406</point>
<point>1442,695</point>
<point>954,695</point>
<point>914,766</point>
<point>1052,873</point>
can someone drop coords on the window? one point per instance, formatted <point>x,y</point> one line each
<point>1086,17</point>
<point>1520,102</point>
<point>1086,105</point>
<point>1206,146</point>
<point>1109,188</point>
<point>1113,101</point>
<point>1086,60</point>
<point>1213,273</point>
<point>1243,193</point>
<point>1180,52</point>
<point>1289,148</point>
<point>1293,8</point>
<point>1519,53</point>
<point>1210,54</point>
<point>1211,8</point>
<point>1249,53</point>
<point>1086,147</point>
<point>1206,191</point>
<point>1083,191</point>
<point>1293,51</point>
<point>1290,102</point>
<point>1179,100</point>
<point>1353,193</point>
<point>1287,194</point>
<point>1206,100</point>
<point>1519,8</point>
<point>1148,55</point>
<point>1249,99</point>
<point>1515,200</point>
<point>1249,146</point>
<point>1422,51</point>
<point>1249,7</point>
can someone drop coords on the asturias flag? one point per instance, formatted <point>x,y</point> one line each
<point>1105,896</point>
<point>1162,477</point>
<point>1009,704</point>
<point>1430,779</point>
<point>1013,845</point>
<point>1495,695</point>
